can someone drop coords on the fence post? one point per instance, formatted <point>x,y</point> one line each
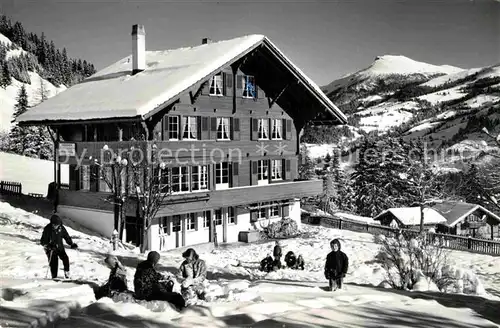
<point>340,224</point>
<point>1,186</point>
<point>469,242</point>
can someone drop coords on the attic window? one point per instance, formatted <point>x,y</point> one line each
<point>249,90</point>
<point>216,85</point>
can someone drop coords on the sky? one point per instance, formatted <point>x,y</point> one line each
<point>326,39</point>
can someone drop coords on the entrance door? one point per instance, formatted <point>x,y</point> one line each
<point>218,222</point>
<point>133,230</point>
<point>177,230</point>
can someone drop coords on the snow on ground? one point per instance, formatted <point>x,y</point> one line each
<point>5,40</point>
<point>14,53</point>
<point>14,168</point>
<point>385,120</point>
<point>450,78</point>
<point>443,95</point>
<point>481,100</point>
<point>319,150</point>
<point>241,293</point>
<point>490,72</point>
<point>389,107</point>
<point>421,130</point>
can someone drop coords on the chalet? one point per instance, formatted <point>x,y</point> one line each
<point>409,218</point>
<point>230,114</point>
<point>468,219</point>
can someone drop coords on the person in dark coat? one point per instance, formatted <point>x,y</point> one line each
<point>336,265</point>
<point>117,281</point>
<point>290,259</point>
<point>52,242</point>
<point>151,285</point>
<point>277,251</point>
<point>299,265</point>
<point>266,264</point>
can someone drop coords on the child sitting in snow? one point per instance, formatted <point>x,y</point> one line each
<point>192,273</point>
<point>117,281</point>
<point>336,265</point>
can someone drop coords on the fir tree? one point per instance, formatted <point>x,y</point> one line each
<point>5,78</point>
<point>306,169</point>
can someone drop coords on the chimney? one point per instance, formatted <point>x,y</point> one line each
<point>138,49</point>
<point>206,41</point>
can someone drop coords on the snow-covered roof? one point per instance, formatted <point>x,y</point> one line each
<point>354,217</point>
<point>455,212</point>
<point>115,93</point>
<point>411,215</point>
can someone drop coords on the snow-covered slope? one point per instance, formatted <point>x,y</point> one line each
<point>34,89</point>
<point>239,293</point>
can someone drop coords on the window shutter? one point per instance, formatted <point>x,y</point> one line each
<point>287,169</point>
<point>228,84</point>
<point>253,216</point>
<point>165,127</point>
<point>198,127</point>
<point>169,225</point>
<point>255,129</point>
<point>254,168</point>
<point>234,174</point>
<point>288,131</point>
<point>235,126</point>
<point>213,128</point>
<point>286,211</point>
<point>239,83</point>
<point>235,214</point>
<point>94,177</point>
<point>205,130</point>
<point>211,176</point>
<point>73,177</point>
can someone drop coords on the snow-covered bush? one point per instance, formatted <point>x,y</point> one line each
<point>283,228</point>
<point>412,263</point>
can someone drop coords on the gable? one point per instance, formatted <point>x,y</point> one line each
<point>114,93</point>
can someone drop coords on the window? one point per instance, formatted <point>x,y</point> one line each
<point>180,179</point>
<point>263,172</point>
<point>199,178</point>
<point>164,224</point>
<point>176,223</point>
<point>162,178</point>
<point>277,129</point>
<point>261,213</point>
<point>231,217</point>
<point>190,128</point>
<point>276,169</point>
<point>105,179</point>
<point>274,211</point>
<point>249,87</point>
<point>263,128</point>
<point>206,219</point>
<point>222,175</point>
<point>218,217</point>
<point>191,221</point>
<point>223,128</point>
<point>173,127</point>
<point>84,177</point>
<point>216,85</point>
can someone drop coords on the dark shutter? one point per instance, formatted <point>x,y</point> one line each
<point>235,128</point>
<point>254,168</point>
<point>211,176</point>
<point>288,130</point>
<point>73,177</point>
<point>168,222</point>
<point>182,126</point>
<point>239,85</point>
<point>253,216</point>
<point>286,210</point>
<point>94,177</point>
<point>165,127</point>
<point>198,127</point>
<point>213,128</point>
<point>205,131</point>
<point>255,129</point>
<point>287,169</point>
<point>228,84</point>
<point>234,174</point>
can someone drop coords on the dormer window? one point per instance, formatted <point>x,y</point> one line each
<point>216,85</point>
<point>249,88</point>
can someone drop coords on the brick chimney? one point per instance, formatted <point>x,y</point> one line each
<point>138,48</point>
<point>206,41</point>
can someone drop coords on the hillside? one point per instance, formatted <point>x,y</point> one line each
<point>445,106</point>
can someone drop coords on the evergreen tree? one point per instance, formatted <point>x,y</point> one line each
<point>19,135</point>
<point>306,168</point>
<point>5,78</point>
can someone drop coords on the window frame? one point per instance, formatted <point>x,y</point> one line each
<point>245,90</point>
<point>206,219</point>
<point>276,169</point>
<point>272,210</point>
<point>220,169</point>
<point>213,84</point>
<point>263,130</point>
<point>196,178</point>
<point>164,225</point>
<point>191,221</point>
<point>260,211</point>
<point>262,171</point>
<point>276,126</point>
<point>190,121</point>
<point>222,122</point>
<point>176,218</point>
<point>171,124</point>
<point>231,215</point>
<point>218,220</point>
<point>182,181</point>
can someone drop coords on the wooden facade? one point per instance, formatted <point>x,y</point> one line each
<point>241,127</point>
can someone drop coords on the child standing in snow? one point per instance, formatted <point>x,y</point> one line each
<point>52,242</point>
<point>336,265</point>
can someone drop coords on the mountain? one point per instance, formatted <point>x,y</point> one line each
<point>445,106</point>
<point>35,88</point>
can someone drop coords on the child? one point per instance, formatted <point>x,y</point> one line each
<point>336,266</point>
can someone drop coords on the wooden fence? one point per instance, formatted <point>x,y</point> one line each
<point>10,188</point>
<point>483,246</point>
